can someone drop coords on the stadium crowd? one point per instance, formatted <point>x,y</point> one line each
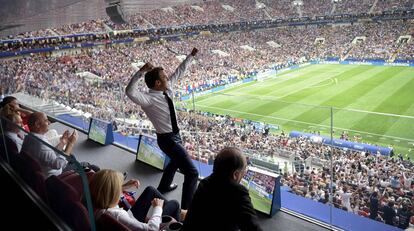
<point>224,58</point>
<point>215,12</point>
<point>359,179</point>
<point>364,184</point>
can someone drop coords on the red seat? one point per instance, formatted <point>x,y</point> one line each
<point>65,202</point>
<point>74,179</point>
<point>30,171</point>
<point>32,163</point>
<point>7,147</point>
<point>106,222</point>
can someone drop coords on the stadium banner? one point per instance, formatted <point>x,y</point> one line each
<point>196,94</point>
<point>399,64</point>
<point>304,64</point>
<point>186,97</point>
<point>408,63</point>
<point>7,54</point>
<point>344,143</point>
<point>141,39</point>
<point>234,84</point>
<point>265,74</point>
<point>216,89</point>
<point>248,80</point>
<point>293,67</point>
<point>328,62</point>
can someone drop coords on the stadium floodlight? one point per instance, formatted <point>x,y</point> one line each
<point>115,12</point>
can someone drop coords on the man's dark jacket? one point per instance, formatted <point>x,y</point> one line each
<point>221,204</point>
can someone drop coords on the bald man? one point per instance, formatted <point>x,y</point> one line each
<point>221,202</point>
<point>51,162</point>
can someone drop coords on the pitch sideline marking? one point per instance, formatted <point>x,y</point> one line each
<point>297,121</point>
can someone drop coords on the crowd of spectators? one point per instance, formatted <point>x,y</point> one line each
<point>226,58</point>
<point>214,12</point>
<point>364,184</point>
<point>356,175</point>
<point>384,5</point>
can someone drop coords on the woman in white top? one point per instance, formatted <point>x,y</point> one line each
<point>106,188</point>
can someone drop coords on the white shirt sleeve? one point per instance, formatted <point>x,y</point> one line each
<point>138,97</point>
<point>180,71</point>
<point>129,220</point>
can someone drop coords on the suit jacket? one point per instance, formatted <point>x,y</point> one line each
<point>220,204</point>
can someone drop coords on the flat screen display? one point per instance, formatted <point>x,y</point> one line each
<point>149,152</point>
<point>98,130</point>
<point>261,186</point>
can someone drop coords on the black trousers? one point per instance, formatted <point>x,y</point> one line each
<point>143,204</point>
<point>171,145</point>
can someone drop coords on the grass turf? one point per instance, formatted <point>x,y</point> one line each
<point>373,102</point>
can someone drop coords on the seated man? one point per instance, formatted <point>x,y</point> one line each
<point>221,202</point>
<point>51,162</point>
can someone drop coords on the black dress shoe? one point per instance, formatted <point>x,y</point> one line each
<point>169,189</point>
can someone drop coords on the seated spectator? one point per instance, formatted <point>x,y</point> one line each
<point>106,187</point>
<point>12,130</point>
<point>51,163</point>
<point>14,105</point>
<point>222,196</point>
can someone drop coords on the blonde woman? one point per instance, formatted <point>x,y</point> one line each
<point>106,188</point>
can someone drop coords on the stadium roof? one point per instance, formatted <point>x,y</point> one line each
<point>17,16</point>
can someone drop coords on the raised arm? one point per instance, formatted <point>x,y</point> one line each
<point>179,72</point>
<point>131,91</point>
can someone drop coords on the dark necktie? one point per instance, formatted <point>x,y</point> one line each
<point>172,113</point>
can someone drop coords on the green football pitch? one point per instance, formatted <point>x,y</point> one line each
<point>375,103</point>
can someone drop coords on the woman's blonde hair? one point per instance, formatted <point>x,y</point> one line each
<point>106,188</point>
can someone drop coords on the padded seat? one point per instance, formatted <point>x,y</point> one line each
<point>7,147</point>
<point>65,202</point>
<point>74,179</point>
<point>30,171</point>
<point>106,222</point>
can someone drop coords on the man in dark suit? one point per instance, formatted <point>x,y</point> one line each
<point>221,202</point>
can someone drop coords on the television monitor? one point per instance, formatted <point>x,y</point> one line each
<point>264,189</point>
<point>149,152</point>
<point>100,131</point>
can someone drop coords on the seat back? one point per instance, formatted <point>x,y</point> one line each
<point>65,202</point>
<point>32,163</point>
<point>106,222</point>
<point>74,179</point>
<point>29,170</point>
<point>7,147</point>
